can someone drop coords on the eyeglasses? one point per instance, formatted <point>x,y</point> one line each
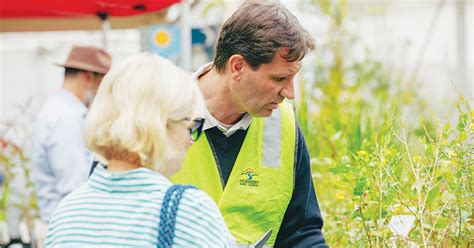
<point>196,130</point>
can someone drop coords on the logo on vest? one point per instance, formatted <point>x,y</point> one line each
<point>248,178</point>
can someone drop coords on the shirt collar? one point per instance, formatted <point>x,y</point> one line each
<point>74,100</point>
<point>211,121</point>
<point>136,180</point>
<point>227,130</point>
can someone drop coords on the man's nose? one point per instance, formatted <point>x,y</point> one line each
<point>288,90</point>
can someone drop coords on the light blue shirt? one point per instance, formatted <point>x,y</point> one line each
<point>60,161</point>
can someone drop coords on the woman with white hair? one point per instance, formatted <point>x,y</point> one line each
<point>143,119</point>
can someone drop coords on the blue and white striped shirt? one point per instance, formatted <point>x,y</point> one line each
<point>123,209</point>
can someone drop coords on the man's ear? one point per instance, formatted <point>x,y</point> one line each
<point>236,66</point>
<point>89,79</point>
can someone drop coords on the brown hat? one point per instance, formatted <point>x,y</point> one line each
<point>89,58</point>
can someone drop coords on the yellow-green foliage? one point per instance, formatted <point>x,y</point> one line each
<point>377,153</point>
<point>14,164</point>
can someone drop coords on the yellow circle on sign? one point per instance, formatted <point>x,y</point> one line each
<point>162,38</point>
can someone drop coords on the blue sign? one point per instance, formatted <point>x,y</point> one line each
<point>165,40</point>
<point>205,37</point>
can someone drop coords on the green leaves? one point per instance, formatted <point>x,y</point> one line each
<point>372,160</point>
<point>462,122</point>
<point>360,185</point>
<point>13,167</point>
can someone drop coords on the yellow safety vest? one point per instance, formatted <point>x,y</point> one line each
<point>261,183</point>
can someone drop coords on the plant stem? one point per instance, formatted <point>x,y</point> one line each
<point>459,229</point>
<point>363,222</point>
<point>380,191</point>
<point>436,221</point>
<point>418,187</point>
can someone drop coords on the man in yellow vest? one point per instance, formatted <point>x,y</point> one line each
<point>253,160</point>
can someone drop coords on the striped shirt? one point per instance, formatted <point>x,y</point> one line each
<point>123,209</point>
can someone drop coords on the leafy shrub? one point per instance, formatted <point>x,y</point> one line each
<point>385,170</point>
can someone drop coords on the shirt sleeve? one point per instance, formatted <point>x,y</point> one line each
<point>302,223</point>
<point>51,234</point>
<point>199,222</point>
<point>68,156</point>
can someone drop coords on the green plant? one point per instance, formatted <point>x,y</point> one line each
<point>378,156</point>
<point>17,190</point>
<point>14,164</point>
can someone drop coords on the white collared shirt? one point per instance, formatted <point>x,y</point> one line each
<point>211,121</point>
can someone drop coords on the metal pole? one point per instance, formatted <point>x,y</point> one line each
<point>104,17</point>
<point>186,42</point>
<point>461,47</point>
<point>105,32</point>
<point>144,39</point>
<point>426,41</point>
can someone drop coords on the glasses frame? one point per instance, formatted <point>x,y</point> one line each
<point>196,130</point>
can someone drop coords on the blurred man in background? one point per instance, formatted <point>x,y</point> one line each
<point>59,158</point>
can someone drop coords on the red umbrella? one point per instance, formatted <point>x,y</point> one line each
<point>55,15</point>
<point>79,8</point>
<point>42,15</point>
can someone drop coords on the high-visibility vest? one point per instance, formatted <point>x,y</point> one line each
<point>261,183</point>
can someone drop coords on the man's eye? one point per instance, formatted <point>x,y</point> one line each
<point>280,79</point>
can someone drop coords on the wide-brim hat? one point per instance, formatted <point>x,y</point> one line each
<point>88,58</point>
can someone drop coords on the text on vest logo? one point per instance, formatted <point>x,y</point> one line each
<point>249,178</point>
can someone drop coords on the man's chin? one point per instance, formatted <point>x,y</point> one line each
<point>264,113</point>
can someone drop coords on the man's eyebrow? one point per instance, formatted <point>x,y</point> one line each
<point>283,74</point>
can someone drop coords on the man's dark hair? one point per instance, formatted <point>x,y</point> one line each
<point>256,31</point>
<point>73,72</point>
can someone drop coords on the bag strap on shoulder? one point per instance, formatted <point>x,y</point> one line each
<point>169,208</point>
